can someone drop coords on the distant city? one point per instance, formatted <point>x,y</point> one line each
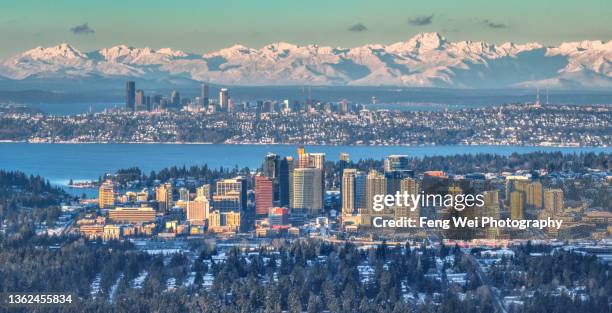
<point>155,118</point>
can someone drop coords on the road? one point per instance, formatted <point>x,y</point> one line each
<point>484,280</point>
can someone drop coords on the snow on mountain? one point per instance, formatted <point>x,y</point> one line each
<point>425,60</point>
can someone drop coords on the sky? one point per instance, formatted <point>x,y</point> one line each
<point>204,26</point>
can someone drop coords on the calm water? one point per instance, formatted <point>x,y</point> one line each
<point>62,162</point>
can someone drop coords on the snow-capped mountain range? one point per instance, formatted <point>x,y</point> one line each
<point>425,60</point>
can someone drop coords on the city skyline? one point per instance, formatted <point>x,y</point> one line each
<point>205,27</point>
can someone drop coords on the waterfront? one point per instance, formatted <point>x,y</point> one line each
<point>61,162</point>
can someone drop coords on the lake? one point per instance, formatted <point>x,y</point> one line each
<point>61,162</point>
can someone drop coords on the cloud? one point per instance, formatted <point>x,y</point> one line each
<point>492,24</point>
<point>421,20</point>
<point>82,29</point>
<point>358,28</point>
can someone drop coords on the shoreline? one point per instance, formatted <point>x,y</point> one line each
<point>295,144</point>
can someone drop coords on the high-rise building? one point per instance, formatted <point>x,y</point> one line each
<point>534,195</point>
<point>491,209</point>
<point>303,160</point>
<point>140,100</point>
<point>285,167</point>
<point>236,186</point>
<point>204,95</point>
<point>224,220</point>
<point>163,197</point>
<point>175,99</point>
<point>317,160</point>
<point>553,200</point>
<point>344,106</point>
<point>343,163</point>
<point>278,216</point>
<point>376,184</point>
<point>263,194</point>
<point>130,95</point>
<point>345,157</point>
<point>411,187</point>
<point>396,163</point>
<point>224,98</point>
<point>394,179</point>
<point>271,165</point>
<point>348,191</point>
<point>132,215</point>
<point>106,195</point>
<point>198,210</point>
<point>203,191</point>
<point>515,182</point>
<point>517,205</point>
<point>360,190</point>
<point>227,202</point>
<point>183,194</point>
<point>306,190</point>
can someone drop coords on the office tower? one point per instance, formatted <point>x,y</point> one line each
<point>156,101</point>
<point>491,209</point>
<point>263,194</point>
<point>553,200</point>
<point>230,201</point>
<point>515,182</point>
<point>183,194</point>
<point>271,165</point>
<point>491,198</point>
<point>376,184</point>
<point>106,195</point>
<point>343,163</point>
<point>348,191</point>
<point>454,211</point>
<point>303,157</point>
<point>517,205</point>
<point>344,106</point>
<point>203,191</point>
<point>233,187</point>
<point>230,105</point>
<point>360,190</point>
<point>284,168</point>
<point>394,179</point>
<point>198,210</point>
<point>204,96</point>
<point>411,187</point>
<point>317,160</point>
<point>140,100</point>
<point>132,215</point>
<point>396,163</point>
<point>223,98</point>
<point>306,190</point>
<point>130,95</point>
<point>534,195</point>
<point>229,221</point>
<point>344,157</point>
<point>163,197</point>
<point>278,216</point>
<point>175,99</point>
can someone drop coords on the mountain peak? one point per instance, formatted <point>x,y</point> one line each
<point>427,41</point>
<point>426,59</point>
<point>62,50</point>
